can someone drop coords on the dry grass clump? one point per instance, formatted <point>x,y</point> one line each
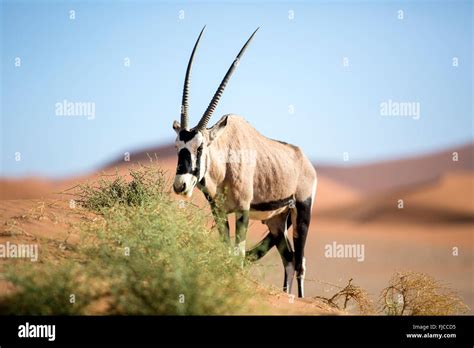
<point>414,293</point>
<point>350,294</point>
<point>408,293</point>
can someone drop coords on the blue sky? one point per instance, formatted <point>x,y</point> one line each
<point>293,63</point>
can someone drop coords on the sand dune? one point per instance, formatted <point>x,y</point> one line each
<point>447,201</point>
<point>391,175</point>
<point>453,192</point>
<point>26,188</point>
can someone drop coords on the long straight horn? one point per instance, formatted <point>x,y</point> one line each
<point>184,102</point>
<point>217,96</point>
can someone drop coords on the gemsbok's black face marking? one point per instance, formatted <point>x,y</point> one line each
<point>189,145</point>
<point>185,165</point>
<point>186,135</point>
<point>184,162</point>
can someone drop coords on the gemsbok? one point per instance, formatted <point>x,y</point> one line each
<point>258,178</point>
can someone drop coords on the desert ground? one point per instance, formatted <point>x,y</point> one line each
<point>354,205</point>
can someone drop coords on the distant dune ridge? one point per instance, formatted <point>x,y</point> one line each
<point>395,174</point>
<point>366,179</point>
<point>434,187</point>
<point>337,184</point>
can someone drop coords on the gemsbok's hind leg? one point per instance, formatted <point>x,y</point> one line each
<point>260,249</point>
<point>302,214</point>
<point>287,255</point>
<point>278,226</point>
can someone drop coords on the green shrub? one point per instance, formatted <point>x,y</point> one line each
<point>147,183</point>
<point>143,255</point>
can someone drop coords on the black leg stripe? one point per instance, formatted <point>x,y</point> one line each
<point>268,206</point>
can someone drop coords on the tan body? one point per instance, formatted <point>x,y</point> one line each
<point>278,171</point>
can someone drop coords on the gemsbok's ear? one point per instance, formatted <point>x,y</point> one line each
<point>216,130</point>
<point>176,126</point>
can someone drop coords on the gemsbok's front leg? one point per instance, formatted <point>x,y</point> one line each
<point>241,227</point>
<point>220,217</point>
<point>222,224</point>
